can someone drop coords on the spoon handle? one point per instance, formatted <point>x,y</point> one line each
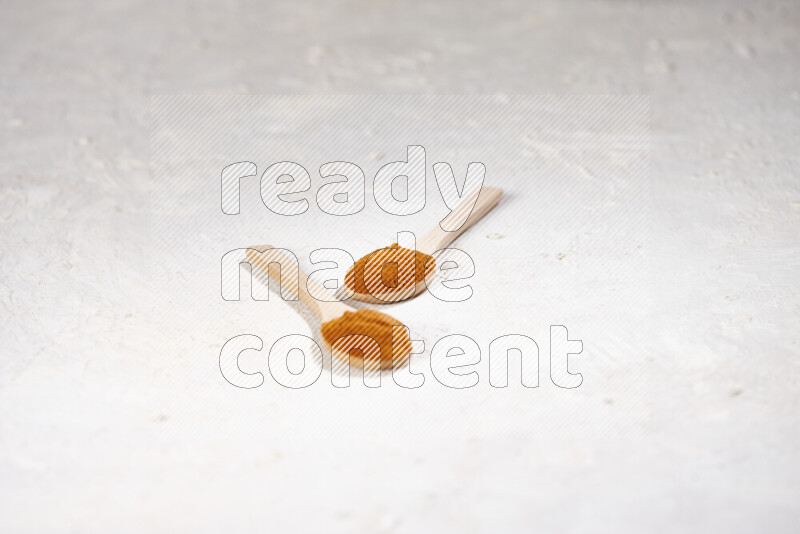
<point>438,239</point>
<point>290,272</point>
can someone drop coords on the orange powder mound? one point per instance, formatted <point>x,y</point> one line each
<point>391,268</point>
<point>346,336</point>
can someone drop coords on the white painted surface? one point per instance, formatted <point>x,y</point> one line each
<point>109,423</point>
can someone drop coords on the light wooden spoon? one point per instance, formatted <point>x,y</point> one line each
<point>361,337</point>
<point>433,241</point>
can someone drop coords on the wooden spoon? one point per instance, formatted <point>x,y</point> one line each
<point>408,264</point>
<point>364,338</point>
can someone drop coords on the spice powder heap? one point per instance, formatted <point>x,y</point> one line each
<point>393,268</point>
<point>350,333</point>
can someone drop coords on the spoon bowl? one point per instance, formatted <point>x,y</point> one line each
<point>435,240</point>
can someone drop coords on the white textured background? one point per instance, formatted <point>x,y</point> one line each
<point>106,425</point>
